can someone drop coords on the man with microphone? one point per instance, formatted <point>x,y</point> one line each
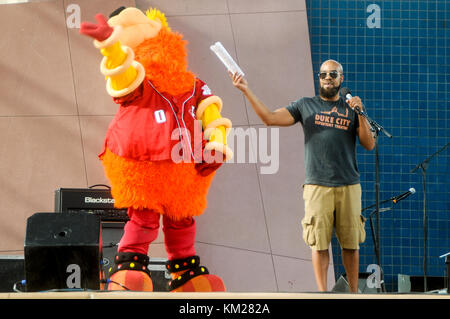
<point>332,190</point>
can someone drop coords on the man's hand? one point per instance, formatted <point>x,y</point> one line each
<point>365,135</point>
<point>239,81</point>
<point>100,31</point>
<point>355,102</point>
<point>279,117</point>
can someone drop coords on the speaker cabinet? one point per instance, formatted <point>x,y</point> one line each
<point>11,272</point>
<point>63,251</point>
<point>414,284</point>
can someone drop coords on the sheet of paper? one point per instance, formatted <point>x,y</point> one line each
<point>226,58</point>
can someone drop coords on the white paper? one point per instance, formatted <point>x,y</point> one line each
<point>226,58</point>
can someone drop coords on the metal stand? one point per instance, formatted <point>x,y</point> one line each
<point>376,247</point>
<point>423,166</point>
<point>374,238</point>
<point>376,129</point>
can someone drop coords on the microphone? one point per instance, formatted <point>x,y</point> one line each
<point>345,92</point>
<point>348,95</point>
<point>398,198</point>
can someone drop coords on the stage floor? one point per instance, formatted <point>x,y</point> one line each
<point>216,295</point>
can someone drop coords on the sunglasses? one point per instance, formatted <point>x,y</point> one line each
<point>333,74</point>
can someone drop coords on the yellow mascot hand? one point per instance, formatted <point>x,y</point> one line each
<point>214,125</point>
<point>122,73</point>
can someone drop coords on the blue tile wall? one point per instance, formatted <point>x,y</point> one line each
<point>401,69</point>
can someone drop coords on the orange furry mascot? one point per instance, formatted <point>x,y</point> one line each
<point>153,158</point>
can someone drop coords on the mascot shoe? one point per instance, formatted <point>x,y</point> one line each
<point>130,272</point>
<point>189,276</point>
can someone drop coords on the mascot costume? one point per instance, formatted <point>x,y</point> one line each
<point>153,158</point>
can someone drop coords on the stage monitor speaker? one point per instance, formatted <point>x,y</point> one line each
<point>63,251</point>
<point>12,271</point>
<point>413,284</point>
<point>342,284</point>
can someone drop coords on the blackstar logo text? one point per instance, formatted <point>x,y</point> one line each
<point>99,200</point>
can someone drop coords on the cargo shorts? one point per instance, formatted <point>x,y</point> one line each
<point>333,207</point>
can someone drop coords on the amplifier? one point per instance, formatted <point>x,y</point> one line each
<point>88,200</point>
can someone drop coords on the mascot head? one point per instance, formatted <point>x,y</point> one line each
<point>161,51</point>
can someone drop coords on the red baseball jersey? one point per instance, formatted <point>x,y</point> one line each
<point>154,126</point>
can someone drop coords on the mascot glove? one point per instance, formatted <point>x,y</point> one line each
<point>205,168</point>
<point>100,31</point>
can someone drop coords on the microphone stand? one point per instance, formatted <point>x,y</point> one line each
<point>423,166</point>
<point>375,245</point>
<point>376,129</point>
<point>376,248</point>
<point>385,201</point>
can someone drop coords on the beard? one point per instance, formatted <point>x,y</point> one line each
<point>330,92</point>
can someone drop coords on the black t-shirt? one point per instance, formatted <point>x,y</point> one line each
<point>330,140</point>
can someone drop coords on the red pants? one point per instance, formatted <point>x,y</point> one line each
<point>142,229</point>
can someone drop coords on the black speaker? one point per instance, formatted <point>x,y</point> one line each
<point>63,251</point>
<point>12,271</point>
<point>417,283</point>
<point>342,284</point>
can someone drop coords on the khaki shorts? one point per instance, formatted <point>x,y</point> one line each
<point>328,207</point>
